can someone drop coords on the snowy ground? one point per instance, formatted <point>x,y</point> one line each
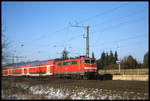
<point>62,92</point>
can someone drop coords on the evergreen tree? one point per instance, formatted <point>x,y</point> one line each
<point>106,59</point>
<point>116,56</point>
<point>93,55</point>
<point>111,58</point>
<point>145,61</point>
<point>124,62</point>
<point>101,61</point>
<point>99,64</point>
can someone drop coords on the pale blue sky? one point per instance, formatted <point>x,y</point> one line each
<point>44,29</point>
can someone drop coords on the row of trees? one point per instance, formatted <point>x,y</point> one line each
<point>129,62</point>
<point>109,61</point>
<point>145,60</point>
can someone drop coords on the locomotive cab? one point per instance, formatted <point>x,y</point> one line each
<point>90,67</point>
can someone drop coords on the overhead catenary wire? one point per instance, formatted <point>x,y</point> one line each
<point>72,38</point>
<point>109,11</point>
<point>123,16</point>
<point>116,25</point>
<point>125,39</point>
<point>106,12</point>
<point>42,36</point>
<point>115,48</point>
<point>110,20</point>
<point>113,9</point>
<point>63,41</point>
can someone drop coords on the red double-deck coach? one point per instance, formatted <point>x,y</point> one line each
<point>81,67</point>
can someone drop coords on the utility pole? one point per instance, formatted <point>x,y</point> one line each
<point>13,58</point>
<point>17,57</point>
<point>87,42</point>
<point>87,38</point>
<point>118,57</point>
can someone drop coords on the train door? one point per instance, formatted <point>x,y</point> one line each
<point>22,71</point>
<point>25,71</point>
<point>48,69</point>
<point>10,72</point>
<point>81,64</point>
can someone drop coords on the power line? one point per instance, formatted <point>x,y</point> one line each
<point>133,13</point>
<point>74,37</point>
<point>125,39</point>
<point>85,20</point>
<point>62,42</point>
<point>53,33</point>
<point>123,46</point>
<point>105,13</point>
<point>109,11</point>
<point>103,43</point>
<point>88,19</point>
<point>43,36</point>
<point>116,25</point>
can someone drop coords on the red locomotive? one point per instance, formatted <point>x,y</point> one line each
<point>82,67</point>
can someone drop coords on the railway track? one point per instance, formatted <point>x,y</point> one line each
<point>73,87</point>
<point>121,85</point>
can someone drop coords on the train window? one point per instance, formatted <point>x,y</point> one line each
<point>87,61</point>
<point>60,63</point>
<point>80,61</point>
<point>93,62</point>
<point>68,63</point>
<point>64,63</point>
<point>74,62</point>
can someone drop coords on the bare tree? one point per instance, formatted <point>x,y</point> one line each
<point>5,51</point>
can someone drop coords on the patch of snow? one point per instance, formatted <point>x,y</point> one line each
<point>76,93</point>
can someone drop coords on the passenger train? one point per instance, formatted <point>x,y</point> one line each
<point>81,67</point>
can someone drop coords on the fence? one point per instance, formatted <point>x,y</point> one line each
<point>125,71</point>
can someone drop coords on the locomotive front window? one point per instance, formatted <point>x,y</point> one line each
<point>93,62</point>
<point>87,61</point>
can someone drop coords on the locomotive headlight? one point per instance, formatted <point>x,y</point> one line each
<point>90,67</point>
